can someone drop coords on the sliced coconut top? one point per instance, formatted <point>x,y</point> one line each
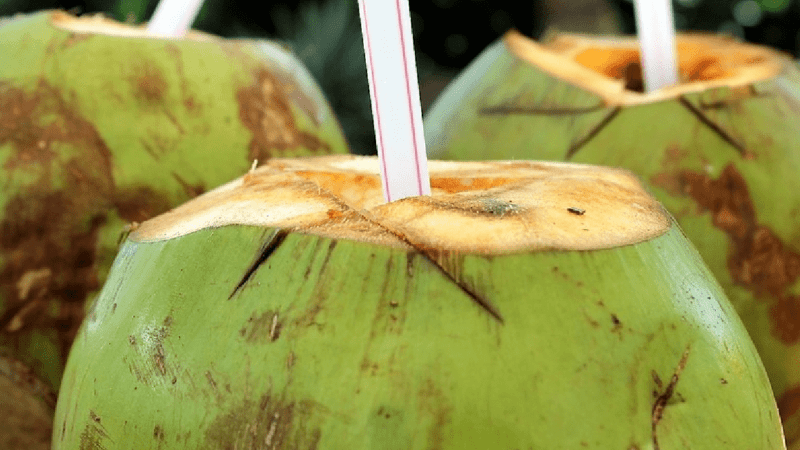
<point>479,207</point>
<point>99,24</point>
<point>611,68</point>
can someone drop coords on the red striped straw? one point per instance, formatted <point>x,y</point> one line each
<point>392,74</point>
<point>173,18</point>
<point>655,25</point>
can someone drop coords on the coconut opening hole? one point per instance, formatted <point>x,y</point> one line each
<point>360,190</point>
<point>694,64</point>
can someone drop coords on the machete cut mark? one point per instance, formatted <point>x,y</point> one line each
<point>265,109</point>
<point>705,120</point>
<point>478,299</point>
<point>734,99</point>
<point>267,249</point>
<point>191,191</point>
<point>482,302</point>
<point>577,145</point>
<point>663,398</point>
<point>758,259</point>
<point>508,110</point>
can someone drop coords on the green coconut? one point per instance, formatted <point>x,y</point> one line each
<point>522,305</point>
<point>719,150</point>
<point>101,126</point>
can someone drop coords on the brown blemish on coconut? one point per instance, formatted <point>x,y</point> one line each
<point>264,327</point>
<point>758,259</point>
<point>611,67</point>
<point>149,84</point>
<point>433,403</point>
<point>269,423</point>
<point>662,398</point>
<point>27,420</point>
<point>188,99</point>
<point>49,226</point>
<point>265,109</point>
<point>93,436</point>
<point>789,402</point>
<point>788,406</point>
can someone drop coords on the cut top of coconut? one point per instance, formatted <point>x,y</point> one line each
<point>611,67</point>
<point>476,207</point>
<point>99,24</point>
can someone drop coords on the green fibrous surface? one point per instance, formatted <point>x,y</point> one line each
<point>99,131</point>
<point>723,161</point>
<point>338,344</point>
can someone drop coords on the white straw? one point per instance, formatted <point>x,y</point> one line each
<point>173,18</point>
<point>394,89</point>
<point>656,28</point>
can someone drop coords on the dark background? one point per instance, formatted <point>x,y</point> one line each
<point>448,34</point>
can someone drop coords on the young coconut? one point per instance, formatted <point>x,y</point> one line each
<point>522,305</point>
<point>721,155</point>
<point>102,125</point>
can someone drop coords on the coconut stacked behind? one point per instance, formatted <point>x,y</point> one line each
<point>101,125</point>
<point>719,151</point>
<point>522,305</point>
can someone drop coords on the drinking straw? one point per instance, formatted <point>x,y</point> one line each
<point>656,29</point>
<point>173,18</point>
<point>394,90</point>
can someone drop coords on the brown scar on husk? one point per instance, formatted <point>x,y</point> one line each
<point>788,406</point>
<point>663,398</point>
<point>149,84</point>
<point>94,434</point>
<point>44,230</point>
<point>270,423</point>
<point>757,258</point>
<point>789,402</point>
<point>265,109</point>
<point>24,378</point>
<point>265,326</point>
